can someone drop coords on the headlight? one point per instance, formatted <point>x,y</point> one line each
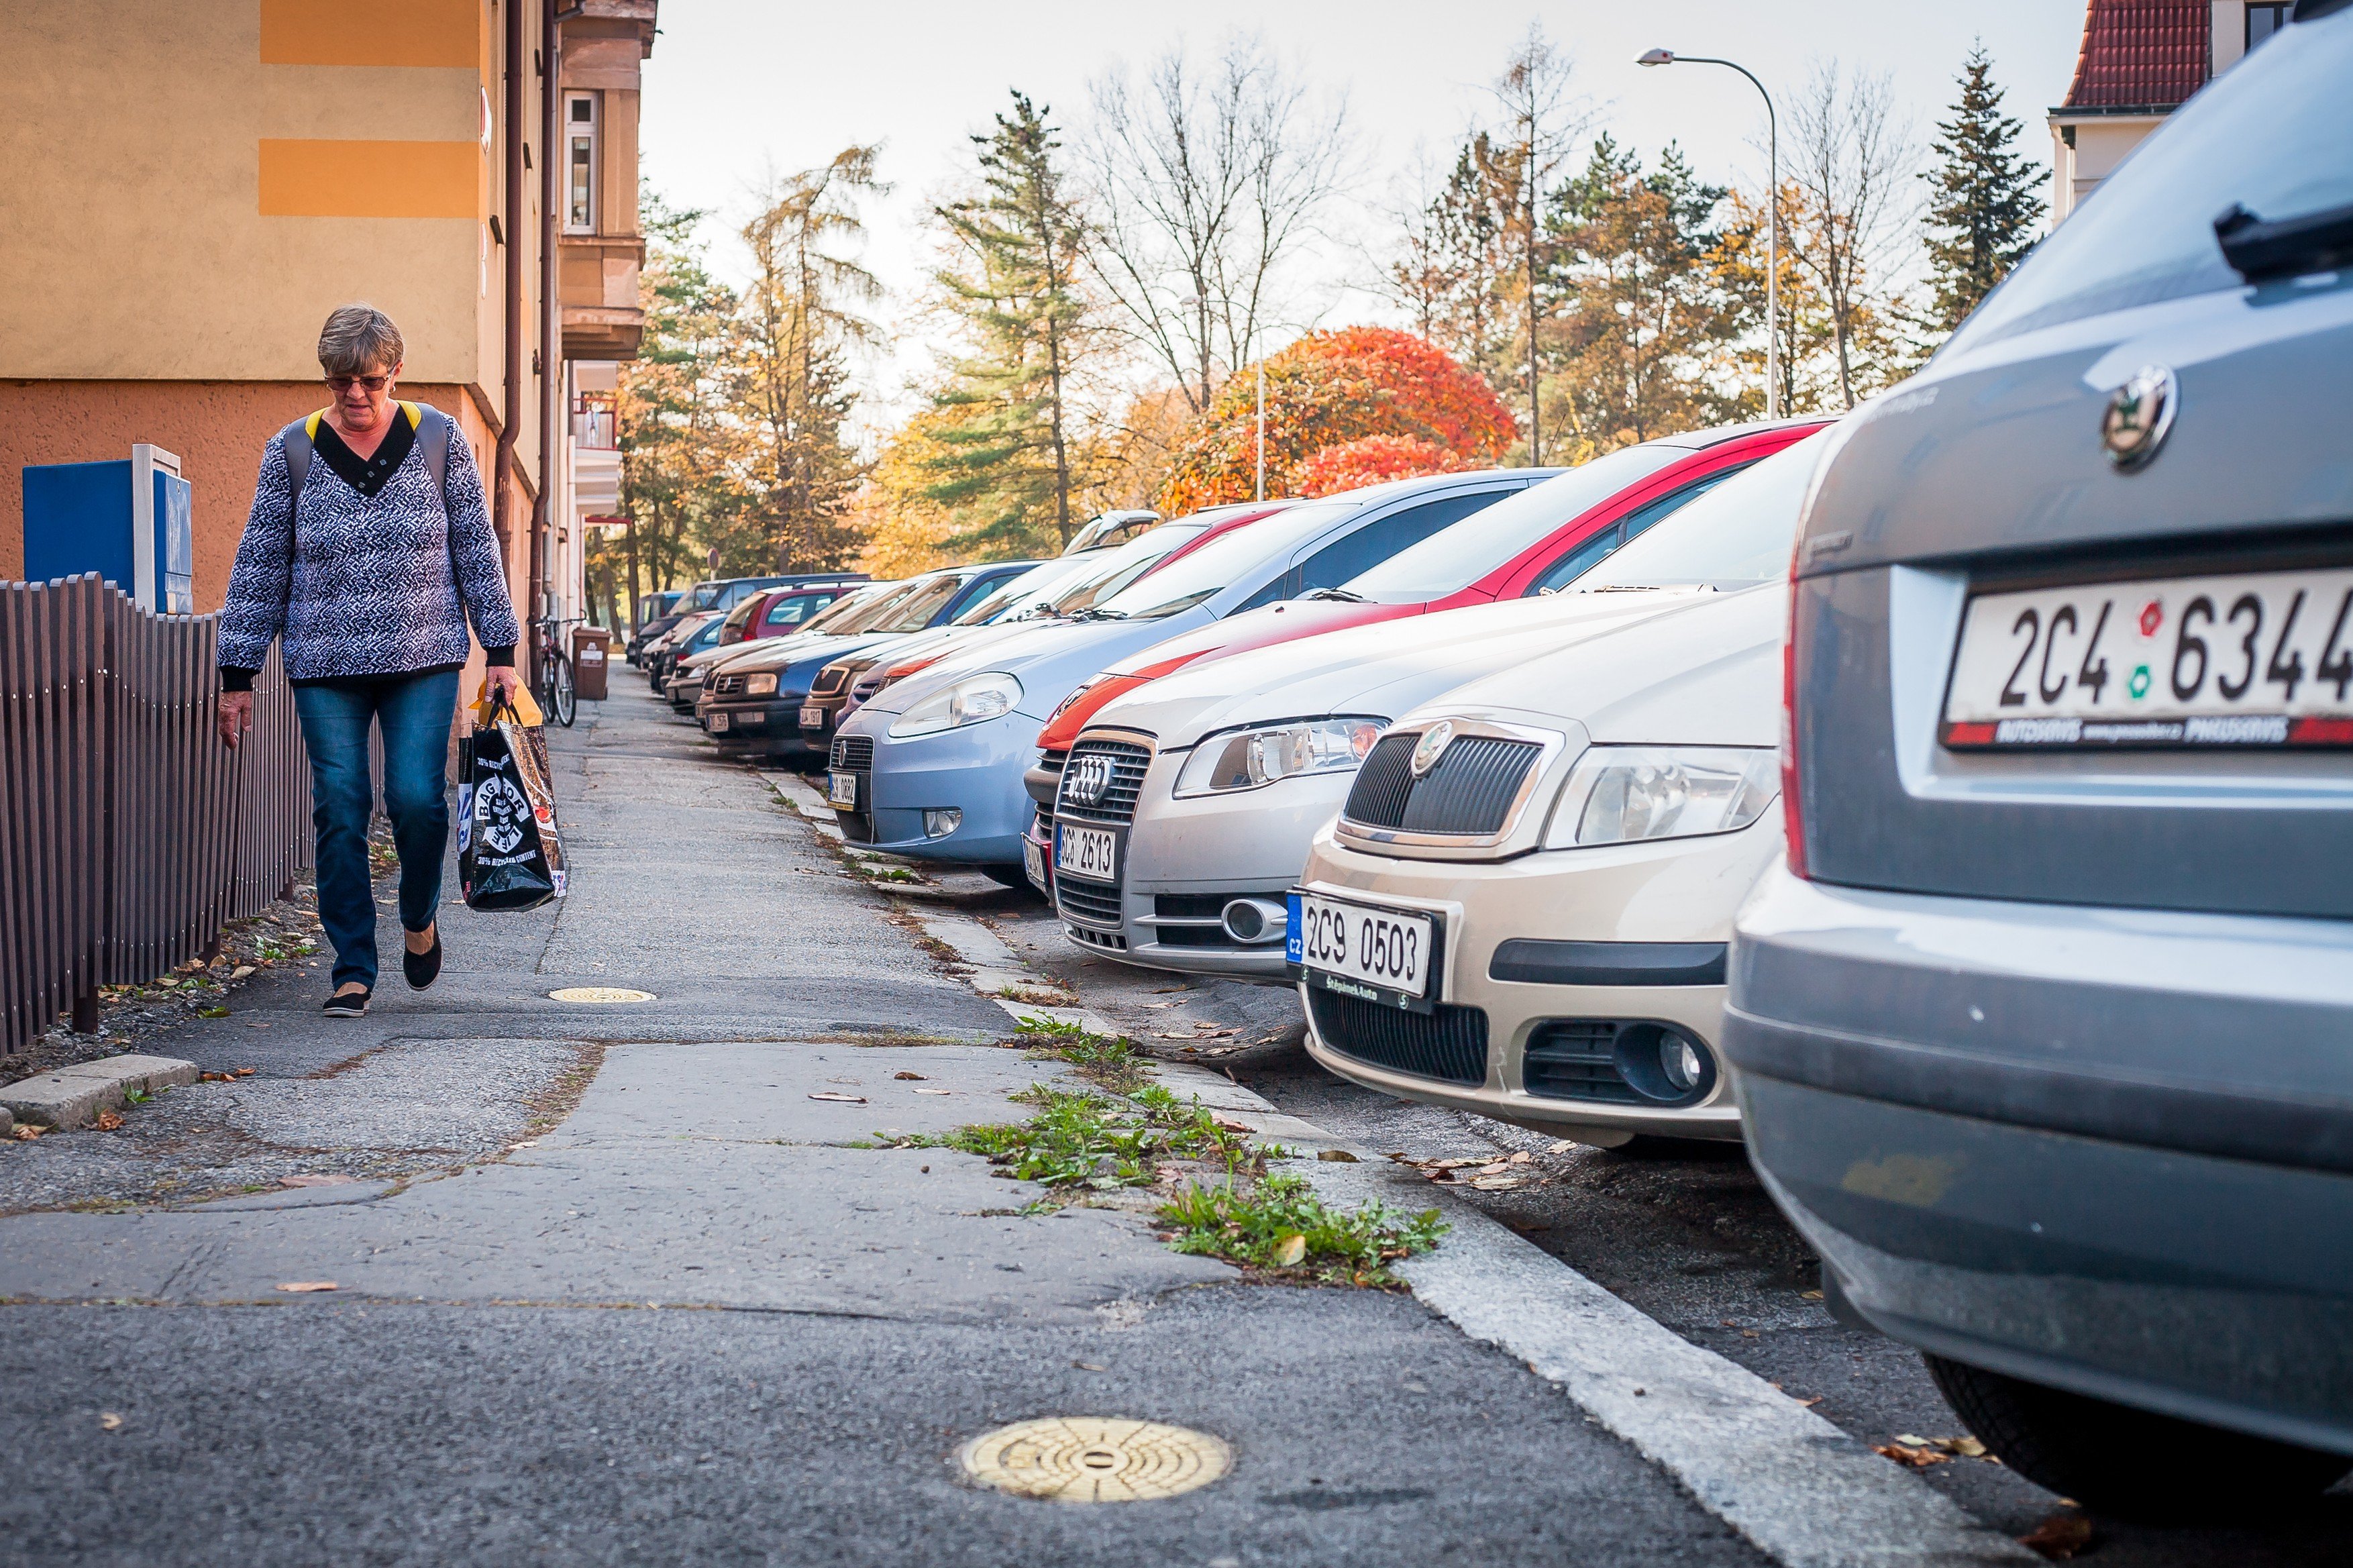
<point>759,685</point>
<point>1250,759</point>
<point>972,700</point>
<point>1616,794</point>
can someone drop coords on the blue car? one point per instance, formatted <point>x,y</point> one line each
<point>931,767</point>
<point>2044,1035</point>
<point>752,700</point>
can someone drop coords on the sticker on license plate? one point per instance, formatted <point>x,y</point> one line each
<point>841,790</point>
<point>1360,949</point>
<point>1033,862</point>
<point>2247,659</point>
<point>719,724</point>
<point>812,718</point>
<point>1088,852</point>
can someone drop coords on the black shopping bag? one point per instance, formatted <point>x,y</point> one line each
<point>509,852</point>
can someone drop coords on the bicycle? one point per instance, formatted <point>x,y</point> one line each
<point>551,681</point>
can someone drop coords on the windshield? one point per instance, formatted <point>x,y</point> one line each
<point>702,596</point>
<point>1108,571</point>
<point>1457,556</point>
<point>1224,561</point>
<point>1033,589</point>
<point>1740,531</point>
<point>2147,233</point>
<point>857,612</point>
<point>914,612</point>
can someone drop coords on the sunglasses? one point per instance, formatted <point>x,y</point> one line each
<point>373,383</point>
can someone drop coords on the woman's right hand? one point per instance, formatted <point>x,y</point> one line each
<point>234,716</point>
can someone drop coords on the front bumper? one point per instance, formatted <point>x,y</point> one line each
<point>2104,1150</point>
<point>1549,1031</point>
<point>1183,861</point>
<point>974,770</point>
<point>760,724</point>
<point>828,708</point>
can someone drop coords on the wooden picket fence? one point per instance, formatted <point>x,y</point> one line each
<point>129,835</point>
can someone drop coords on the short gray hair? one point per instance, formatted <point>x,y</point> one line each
<point>359,340</point>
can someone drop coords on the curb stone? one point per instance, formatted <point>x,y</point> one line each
<point>72,1097</point>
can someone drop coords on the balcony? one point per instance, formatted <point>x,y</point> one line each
<point>596,288</point>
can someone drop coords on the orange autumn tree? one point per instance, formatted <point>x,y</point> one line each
<point>1375,459</point>
<point>1339,389</point>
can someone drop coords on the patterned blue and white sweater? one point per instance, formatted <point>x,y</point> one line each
<point>364,585</point>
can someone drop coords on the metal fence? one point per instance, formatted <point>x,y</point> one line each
<point>129,835</point>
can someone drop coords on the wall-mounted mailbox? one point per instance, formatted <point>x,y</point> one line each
<point>128,521</point>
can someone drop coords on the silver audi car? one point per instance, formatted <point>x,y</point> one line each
<point>2043,1036</point>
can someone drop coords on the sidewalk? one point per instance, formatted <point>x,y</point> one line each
<point>753,1342</point>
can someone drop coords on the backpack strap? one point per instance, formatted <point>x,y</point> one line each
<point>432,427</point>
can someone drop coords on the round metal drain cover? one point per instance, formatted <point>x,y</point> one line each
<point>1090,1459</point>
<point>600,993</point>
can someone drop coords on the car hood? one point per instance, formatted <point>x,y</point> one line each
<point>1049,660</point>
<point>1705,672</point>
<point>1261,628</point>
<point>1380,669</point>
<point>774,653</point>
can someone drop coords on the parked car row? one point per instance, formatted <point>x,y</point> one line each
<point>1952,800</point>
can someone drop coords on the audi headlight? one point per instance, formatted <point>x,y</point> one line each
<point>972,700</point>
<point>1251,758</point>
<point>1617,795</point>
<point>759,685</point>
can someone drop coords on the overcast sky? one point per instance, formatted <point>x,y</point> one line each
<point>737,86</point>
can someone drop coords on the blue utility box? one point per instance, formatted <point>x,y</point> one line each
<point>129,522</point>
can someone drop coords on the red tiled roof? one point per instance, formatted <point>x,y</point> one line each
<point>2136,53</point>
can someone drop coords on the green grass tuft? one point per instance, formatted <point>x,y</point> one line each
<point>1281,1226</point>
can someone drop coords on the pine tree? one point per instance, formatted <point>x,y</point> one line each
<point>1007,461</point>
<point>1983,208</point>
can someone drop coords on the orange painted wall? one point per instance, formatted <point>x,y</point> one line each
<point>217,428</point>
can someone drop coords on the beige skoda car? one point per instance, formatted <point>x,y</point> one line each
<point>1524,907</point>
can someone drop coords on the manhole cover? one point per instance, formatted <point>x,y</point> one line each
<point>600,993</point>
<point>1088,1458</point>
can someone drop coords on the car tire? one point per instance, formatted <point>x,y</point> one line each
<point>1007,876</point>
<point>2133,1464</point>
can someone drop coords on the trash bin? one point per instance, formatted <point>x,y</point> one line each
<point>591,647</point>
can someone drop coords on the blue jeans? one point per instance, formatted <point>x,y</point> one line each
<point>415,713</point>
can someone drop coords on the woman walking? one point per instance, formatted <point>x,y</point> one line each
<point>368,548</point>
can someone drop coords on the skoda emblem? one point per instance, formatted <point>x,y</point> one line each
<point>1089,776</point>
<point>1430,747</point>
<point>2138,415</point>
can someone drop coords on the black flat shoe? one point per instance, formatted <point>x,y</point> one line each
<point>347,1005</point>
<point>422,968</point>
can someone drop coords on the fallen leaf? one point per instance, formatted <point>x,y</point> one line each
<point>1917,1458</point>
<point>212,1012</point>
<point>1497,1183</point>
<point>2060,1537</point>
<point>1290,1250</point>
<point>1809,1295</point>
<point>1336,1156</point>
<point>240,972</point>
<point>26,1131</point>
<point>306,1286</point>
<point>841,1098</point>
<point>243,1072</point>
<point>1810,1403</point>
<point>1086,1366</point>
<point>107,1122</point>
<point>936,1091</point>
<point>108,1421</point>
<point>1521,1158</point>
<point>320,1180</point>
<point>1913,1440</point>
<point>908,1077</point>
<point>1966,1447</point>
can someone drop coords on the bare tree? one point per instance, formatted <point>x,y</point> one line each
<point>1540,117</point>
<point>1852,160</point>
<point>1203,181</point>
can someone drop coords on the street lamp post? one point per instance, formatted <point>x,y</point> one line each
<point>1772,218</point>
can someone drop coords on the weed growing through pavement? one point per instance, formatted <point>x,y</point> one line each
<point>1281,1226</point>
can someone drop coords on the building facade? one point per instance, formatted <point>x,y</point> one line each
<point>196,183</point>
<point>2141,59</point>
